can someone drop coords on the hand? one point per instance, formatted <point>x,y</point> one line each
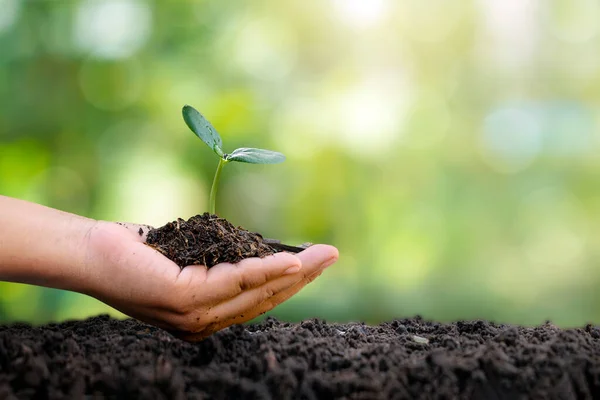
<point>193,302</point>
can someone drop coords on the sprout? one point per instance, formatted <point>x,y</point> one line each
<point>209,135</point>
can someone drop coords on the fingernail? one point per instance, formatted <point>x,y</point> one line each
<point>329,262</point>
<point>292,270</point>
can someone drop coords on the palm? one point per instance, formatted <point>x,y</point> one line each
<point>196,301</point>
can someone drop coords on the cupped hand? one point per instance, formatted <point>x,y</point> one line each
<point>192,302</point>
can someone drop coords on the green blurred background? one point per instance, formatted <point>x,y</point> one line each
<point>448,149</point>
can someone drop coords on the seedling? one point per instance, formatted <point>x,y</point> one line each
<point>209,135</point>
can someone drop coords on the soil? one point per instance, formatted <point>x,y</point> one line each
<point>207,240</point>
<point>404,359</point>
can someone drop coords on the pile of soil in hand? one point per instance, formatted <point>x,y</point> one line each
<point>403,359</point>
<point>207,240</point>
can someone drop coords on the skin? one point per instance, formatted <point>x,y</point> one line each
<point>109,261</point>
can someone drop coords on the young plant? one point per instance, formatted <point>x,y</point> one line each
<point>205,131</point>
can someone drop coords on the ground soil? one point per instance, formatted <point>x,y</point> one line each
<point>207,240</point>
<point>403,359</point>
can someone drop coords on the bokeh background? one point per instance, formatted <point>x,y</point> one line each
<point>448,149</point>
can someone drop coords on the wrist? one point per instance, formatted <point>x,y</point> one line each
<point>102,252</point>
<point>72,269</point>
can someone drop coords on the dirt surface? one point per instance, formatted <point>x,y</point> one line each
<point>404,359</point>
<point>207,240</point>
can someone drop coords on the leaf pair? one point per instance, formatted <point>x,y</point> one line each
<point>209,135</point>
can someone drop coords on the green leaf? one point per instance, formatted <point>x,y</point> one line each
<point>255,156</point>
<point>202,128</point>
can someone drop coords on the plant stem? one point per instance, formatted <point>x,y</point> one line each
<point>213,190</point>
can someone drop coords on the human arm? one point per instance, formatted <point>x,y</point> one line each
<point>43,246</point>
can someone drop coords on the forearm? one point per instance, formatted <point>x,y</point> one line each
<point>41,245</point>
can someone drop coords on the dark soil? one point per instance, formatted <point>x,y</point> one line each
<point>207,240</point>
<point>404,359</point>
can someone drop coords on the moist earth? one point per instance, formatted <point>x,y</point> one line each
<point>207,240</point>
<point>103,357</point>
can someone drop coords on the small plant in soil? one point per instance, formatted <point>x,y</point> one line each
<point>209,135</point>
<point>208,239</point>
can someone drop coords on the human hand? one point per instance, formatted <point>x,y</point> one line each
<point>193,302</point>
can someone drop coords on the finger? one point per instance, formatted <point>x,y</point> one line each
<point>225,281</point>
<point>249,299</point>
<point>279,298</point>
<point>251,303</point>
<point>248,315</point>
<point>314,261</point>
<point>318,255</point>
